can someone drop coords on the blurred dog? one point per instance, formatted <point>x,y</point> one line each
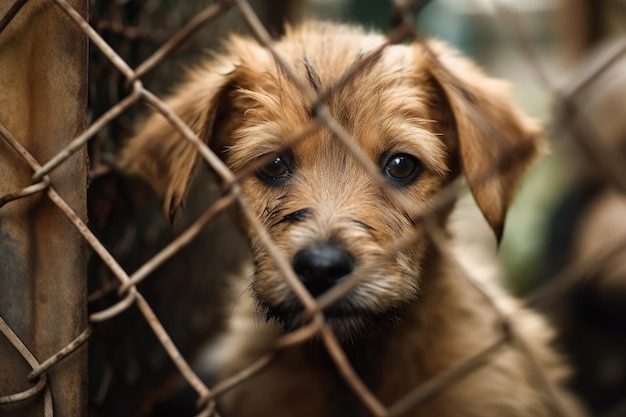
<point>585,228</point>
<point>418,113</point>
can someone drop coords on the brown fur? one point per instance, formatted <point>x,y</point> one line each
<point>422,100</point>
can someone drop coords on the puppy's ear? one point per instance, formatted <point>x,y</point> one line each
<point>160,154</point>
<point>209,103</point>
<point>494,141</point>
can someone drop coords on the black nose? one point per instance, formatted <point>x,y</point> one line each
<point>319,267</point>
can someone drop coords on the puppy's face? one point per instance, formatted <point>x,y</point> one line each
<point>330,217</point>
<point>418,114</point>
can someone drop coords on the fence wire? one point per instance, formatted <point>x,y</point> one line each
<point>570,119</point>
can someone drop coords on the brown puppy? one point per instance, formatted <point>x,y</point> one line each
<point>416,113</point>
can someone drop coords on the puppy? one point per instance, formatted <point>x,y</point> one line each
<point>418,114</point>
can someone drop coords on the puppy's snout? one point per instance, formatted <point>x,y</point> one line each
<point>319,267</point>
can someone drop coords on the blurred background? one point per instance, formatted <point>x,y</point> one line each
<point>563,247</point>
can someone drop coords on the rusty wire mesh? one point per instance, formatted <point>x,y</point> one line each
<point>610,166</point>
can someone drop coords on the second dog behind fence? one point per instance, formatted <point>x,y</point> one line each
<point>421,117</point>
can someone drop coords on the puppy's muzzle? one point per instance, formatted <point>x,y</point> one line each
<point>321,266</point>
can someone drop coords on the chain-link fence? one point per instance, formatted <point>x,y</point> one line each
<point>56,379</point>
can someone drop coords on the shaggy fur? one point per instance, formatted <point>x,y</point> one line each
<point>411,316</point>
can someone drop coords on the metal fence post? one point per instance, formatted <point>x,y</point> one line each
<point>43,91</point>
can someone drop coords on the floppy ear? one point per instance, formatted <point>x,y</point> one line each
<point>494,141</point>
<point>209,103</point>
<point>160,154</point>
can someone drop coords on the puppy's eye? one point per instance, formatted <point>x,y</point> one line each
<point>275,171</point>
<point>402,168</point>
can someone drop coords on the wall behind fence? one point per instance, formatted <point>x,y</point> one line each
<point>43,81</point>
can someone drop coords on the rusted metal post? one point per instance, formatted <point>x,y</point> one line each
<point>43,89</point>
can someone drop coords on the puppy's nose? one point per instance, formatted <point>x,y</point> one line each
<point>319,267</point>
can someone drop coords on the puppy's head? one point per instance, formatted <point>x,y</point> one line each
<point>417,112</point>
